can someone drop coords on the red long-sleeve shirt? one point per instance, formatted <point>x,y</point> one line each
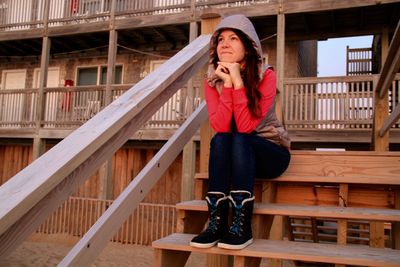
<point>221,107</point>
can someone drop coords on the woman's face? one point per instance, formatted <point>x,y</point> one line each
<point>230,48</point>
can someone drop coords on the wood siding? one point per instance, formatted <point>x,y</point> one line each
<point>127,163</point>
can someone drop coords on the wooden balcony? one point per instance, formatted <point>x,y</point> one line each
<point>329,109</point>
<point>334,109</point>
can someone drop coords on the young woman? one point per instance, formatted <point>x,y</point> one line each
<point>249,141</point>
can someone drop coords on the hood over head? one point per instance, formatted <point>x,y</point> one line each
<point>238,22</point>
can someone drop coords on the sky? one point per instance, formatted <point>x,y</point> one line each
<point>332,54</point>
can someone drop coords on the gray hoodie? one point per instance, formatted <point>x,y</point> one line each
<point>269,127</point>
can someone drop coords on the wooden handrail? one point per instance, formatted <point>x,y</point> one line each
<point>91,244</point>
<point>391,120</point>
<point>31,195</point>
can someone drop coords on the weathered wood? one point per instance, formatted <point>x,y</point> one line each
<point>337,212</point>
<point>207,27</point>
<point>390,121</point>
<point>189,151</point>
<point>396,225</point>
<point>391,64</point>
<point>165,258</point>
<point>71,157</point>
<point>100,233</point>
<point>353,167</point>
<point>342,223</point>
<point>276,249</point>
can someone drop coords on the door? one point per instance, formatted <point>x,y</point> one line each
<point>12,102</point>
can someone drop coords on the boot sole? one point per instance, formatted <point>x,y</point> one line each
<point>235,247</point>
<point>203,245</point>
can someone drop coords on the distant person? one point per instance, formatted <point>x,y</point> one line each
<point>249,142</point>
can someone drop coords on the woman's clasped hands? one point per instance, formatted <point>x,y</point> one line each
<point>229,73</point>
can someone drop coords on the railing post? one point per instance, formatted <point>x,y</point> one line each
<point>38,143</point>
<point>209,21</point>
<point>381,105</point>
<point>277,229</point>
<point>280,58</point>
<point>381,113</point>
<point>189,151</point>
<point>105,171</point>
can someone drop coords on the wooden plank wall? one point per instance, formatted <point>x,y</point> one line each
<point>127,163</point>
<point>13,158</point>
<point>153,219</point>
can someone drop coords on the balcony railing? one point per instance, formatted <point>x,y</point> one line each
<point>21,14</point>
<point>308,103</point>
<point>70,107</point>
<point>333,103</point>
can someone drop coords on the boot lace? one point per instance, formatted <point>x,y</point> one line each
<point>237,223</point>
<point>214,218</point>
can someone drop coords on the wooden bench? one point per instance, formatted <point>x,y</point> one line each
<point>174,250</point>
<point>316,167</point>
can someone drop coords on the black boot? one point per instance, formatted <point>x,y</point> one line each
<point>240,234</point>
<point>218,208</point>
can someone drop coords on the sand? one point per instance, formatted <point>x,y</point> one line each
<point>50,250</point>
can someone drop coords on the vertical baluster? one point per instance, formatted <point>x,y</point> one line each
<point>312,104</point>
<point>364,104</point>
<point>306,100</point>
<point>296,105</point>
<point>301,100</point>
<point>331,98</point>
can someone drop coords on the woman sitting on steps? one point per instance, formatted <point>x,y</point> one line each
<point>249,142</point>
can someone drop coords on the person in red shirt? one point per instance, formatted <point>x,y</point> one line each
<point>249,142</point>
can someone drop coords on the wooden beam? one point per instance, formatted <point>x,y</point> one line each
<point>381,104</point>
<point>390,121</point>
<point>280,68</point>
<point>84,150</point>
<point>342,223</point>
<point>91,244</point>
<point>391,65</point>
<point>189,151</point>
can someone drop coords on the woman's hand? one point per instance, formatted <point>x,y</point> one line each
<point>230,74</point>
<point>223,73</point>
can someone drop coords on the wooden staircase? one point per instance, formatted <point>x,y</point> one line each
<point>339,186</point>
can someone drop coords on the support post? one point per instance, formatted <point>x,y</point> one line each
<point>380,143</point>
<point>189,151</point>
<point>277,230</point>
<point>381,105</point>
<point>342,223</point>
<point>38,143</point>
<point>105,171</point>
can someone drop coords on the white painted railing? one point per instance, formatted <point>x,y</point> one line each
<point>70,107</point>
<point>26,14</point>
<point>333,103</point>
<point>308,103</point>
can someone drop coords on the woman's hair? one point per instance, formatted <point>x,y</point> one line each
<point>250,73</point>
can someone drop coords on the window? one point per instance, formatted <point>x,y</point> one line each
<point>117,75</point>
<point>97,75</point>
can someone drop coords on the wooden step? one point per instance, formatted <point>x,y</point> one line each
<point>389,180</point>
<point>354,213</point>
<point>168,249</point>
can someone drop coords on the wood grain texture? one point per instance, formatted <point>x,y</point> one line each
<point>64,167</point>
<point>276,249</point>
<point>388,215</point>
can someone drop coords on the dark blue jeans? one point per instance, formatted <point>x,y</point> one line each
<point>236,159</point>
